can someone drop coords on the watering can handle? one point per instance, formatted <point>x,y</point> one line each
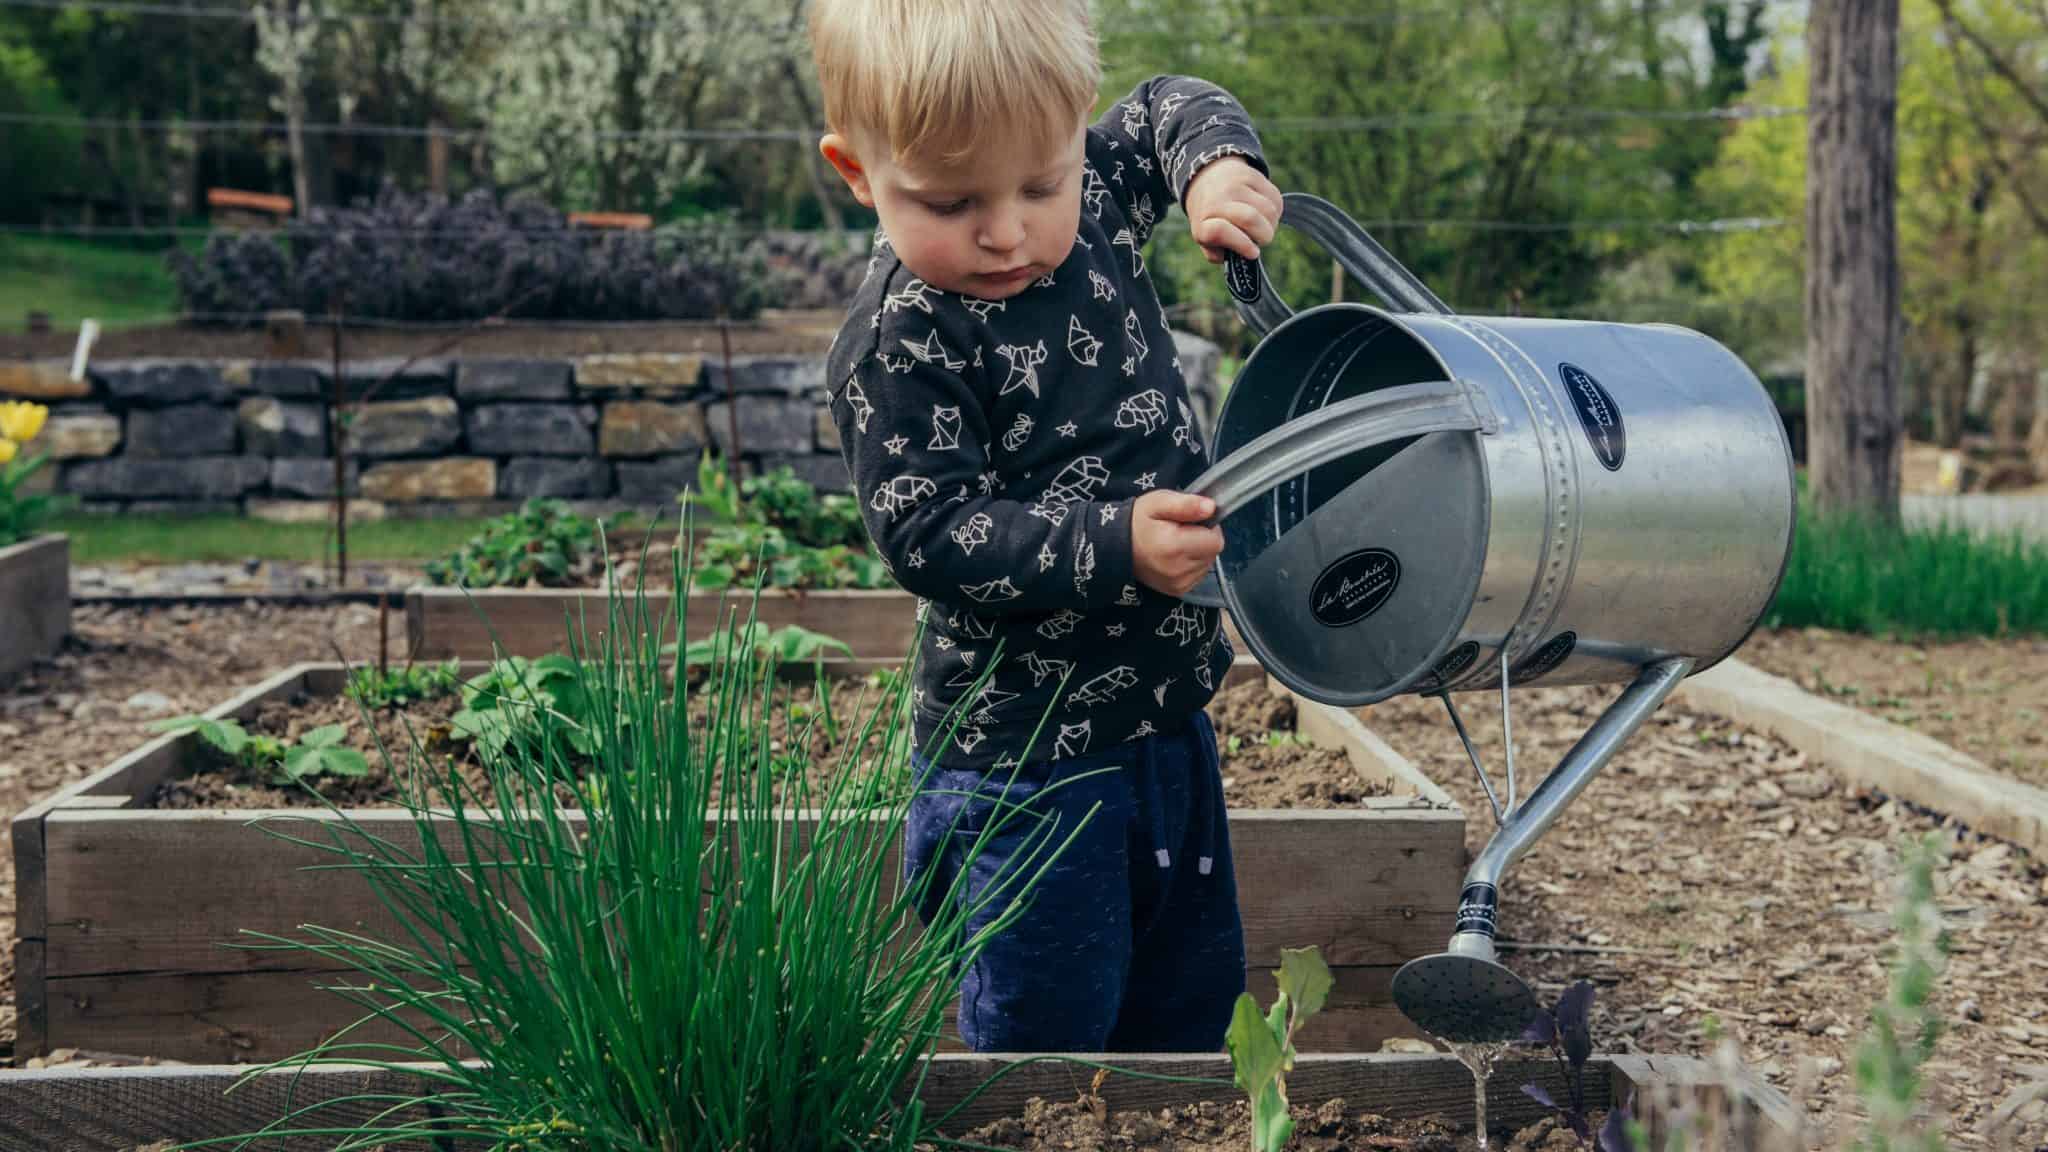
<point>1355,251</point>
<point>1316,438</point>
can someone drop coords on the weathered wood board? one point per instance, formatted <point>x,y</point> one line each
<point>35,601</point>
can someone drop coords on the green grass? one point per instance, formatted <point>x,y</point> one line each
<point>1851,574</point>
<point>118,285</point>
<point>225,539</point>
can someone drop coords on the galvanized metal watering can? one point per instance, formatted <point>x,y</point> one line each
<point>1414,501</point>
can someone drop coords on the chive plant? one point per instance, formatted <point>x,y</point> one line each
<point>710,958</point>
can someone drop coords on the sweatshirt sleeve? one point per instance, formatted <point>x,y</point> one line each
<point>1168,129</point>
<point>917,446</point>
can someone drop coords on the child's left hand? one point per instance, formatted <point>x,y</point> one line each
<point>1232,207</point>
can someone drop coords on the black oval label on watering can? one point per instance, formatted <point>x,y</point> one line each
<point>1241,276</point>
<point>1598,414</point>
<point>1354,587</point>
<point>1543,661</point>
<point>1451,667</point>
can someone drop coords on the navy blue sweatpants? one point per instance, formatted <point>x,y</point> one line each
<point>1131,940</point>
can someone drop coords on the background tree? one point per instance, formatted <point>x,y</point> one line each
<point>1852,270</point>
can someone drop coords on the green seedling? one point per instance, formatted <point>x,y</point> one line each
<point>318,753</point>
<point>1262,1046</point>
<point>397,687</point>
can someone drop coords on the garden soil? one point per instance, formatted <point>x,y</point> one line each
<point>1226,1127</point>
<point>1985,698</point>
<point>1264,764</point>
<point>1713,882</point>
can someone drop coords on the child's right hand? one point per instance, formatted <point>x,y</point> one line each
<point>1171,550</point>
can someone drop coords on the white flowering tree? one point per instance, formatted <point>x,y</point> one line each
<point>584,108</point>
<point>287,39</point>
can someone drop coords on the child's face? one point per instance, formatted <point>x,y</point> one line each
<point>986,227</point>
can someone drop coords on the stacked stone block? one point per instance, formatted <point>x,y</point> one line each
<point>433,436</point>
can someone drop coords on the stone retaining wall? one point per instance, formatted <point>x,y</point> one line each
<point>188,436</point>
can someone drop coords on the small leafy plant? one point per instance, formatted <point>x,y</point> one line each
<point>21,515</point>
<point>789,644</point>
<point>1904,1026</point>
<point>397,687</point>
<point>318,752</point>
<point>541,704</point>
<point>544,543</point>
<point>1563,1029</point>
<point>1262,1046</point>
<point>780,528</point>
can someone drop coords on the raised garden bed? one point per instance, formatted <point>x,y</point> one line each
<point>461,624</point>
<point>126,912</point>
<point>1379,1100</point>
<point>35,601</point>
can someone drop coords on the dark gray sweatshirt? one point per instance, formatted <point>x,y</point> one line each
<point>997,448</point>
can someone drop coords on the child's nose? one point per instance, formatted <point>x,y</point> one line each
<point>1002,231</point>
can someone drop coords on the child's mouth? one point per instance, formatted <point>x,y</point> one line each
<point>1012,278</point>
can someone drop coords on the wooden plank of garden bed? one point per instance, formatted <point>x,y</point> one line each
<point>35,600</point>
<point>445,622</point>
<point>63,1109</point>
<point>1368,888</point>
<point>245,1017</point>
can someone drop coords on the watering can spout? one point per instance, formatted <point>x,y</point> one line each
<point>1463,993</point>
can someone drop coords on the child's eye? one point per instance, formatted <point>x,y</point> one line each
<point>1043,191</point>
<point>947,208</point>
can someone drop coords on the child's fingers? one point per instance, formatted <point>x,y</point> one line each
<point>1219,232</point>
<point>1253,219</point>
<point>1180,507</point>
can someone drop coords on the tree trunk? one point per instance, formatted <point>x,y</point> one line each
<point>1852,266</point>
<point>295,120</point>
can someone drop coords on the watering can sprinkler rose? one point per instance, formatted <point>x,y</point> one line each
<point>1414,501</point>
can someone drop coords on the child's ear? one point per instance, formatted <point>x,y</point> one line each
<point>838,152</point>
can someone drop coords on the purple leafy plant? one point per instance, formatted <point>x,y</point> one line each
<point>1563,1029</point>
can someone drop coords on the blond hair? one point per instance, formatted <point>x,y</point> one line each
<point>939,80</point>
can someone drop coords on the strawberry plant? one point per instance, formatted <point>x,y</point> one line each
<point>537,703</point>
<point>779,528</point>
<point>545,543</point>
<point>1262,1046</point>
<point>318,752</point>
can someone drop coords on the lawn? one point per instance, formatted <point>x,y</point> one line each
<point>227,539</point>
<point>1851,574</point>
<point>119,285</point>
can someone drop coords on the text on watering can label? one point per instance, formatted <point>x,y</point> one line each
<point>1598,414</point>
<point>1354,587</point>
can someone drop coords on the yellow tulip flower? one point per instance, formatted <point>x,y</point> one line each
<point>6,451</point>
<point>20,421</point>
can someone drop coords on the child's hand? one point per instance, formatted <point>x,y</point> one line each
<point>1231,207</point>
<point>1170,549</point>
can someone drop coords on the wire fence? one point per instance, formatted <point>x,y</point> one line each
<point>1407,15</point>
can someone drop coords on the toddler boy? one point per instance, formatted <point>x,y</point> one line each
<point>1014,418</point>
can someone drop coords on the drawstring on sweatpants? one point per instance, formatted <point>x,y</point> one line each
<point>1152,800</point>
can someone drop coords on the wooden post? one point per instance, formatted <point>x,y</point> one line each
<point>1852,264</point>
